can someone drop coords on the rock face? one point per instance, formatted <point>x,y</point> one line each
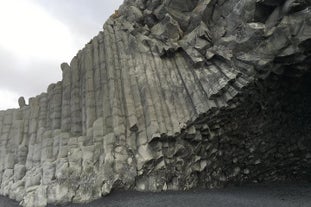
<point>172,95</point>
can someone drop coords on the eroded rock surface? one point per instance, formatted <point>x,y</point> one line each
<point>171,95</point>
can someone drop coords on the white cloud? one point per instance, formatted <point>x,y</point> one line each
<point>8,99</point>
<point>27,31</point>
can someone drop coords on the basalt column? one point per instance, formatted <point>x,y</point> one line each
<point>171,95</point>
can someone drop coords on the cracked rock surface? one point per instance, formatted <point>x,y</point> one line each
<point>171,95</point>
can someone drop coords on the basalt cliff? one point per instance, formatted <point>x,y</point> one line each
<point>171,95</point>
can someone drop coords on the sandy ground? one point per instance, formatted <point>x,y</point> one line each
<point>276,195</point>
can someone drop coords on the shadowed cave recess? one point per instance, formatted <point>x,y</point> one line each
<point>171,95</point>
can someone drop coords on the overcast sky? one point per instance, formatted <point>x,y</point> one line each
<point>36,36</point>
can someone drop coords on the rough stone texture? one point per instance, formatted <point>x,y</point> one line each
<point>21,102</point>
<point>172,95</point>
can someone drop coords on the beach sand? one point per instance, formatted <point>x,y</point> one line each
<point>259,195</point>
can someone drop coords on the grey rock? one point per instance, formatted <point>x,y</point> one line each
<point>171,95</point>
<point>21,102</point>
<point>133,14</point>
<point>168,28</point>
<point>196,43</point>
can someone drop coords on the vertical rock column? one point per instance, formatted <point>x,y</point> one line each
<point>97,65</point>
<point>75,101</point>
<point>2,145</point>
<point>57,106</point>
<point>34,145</point>
<point>106,61</point>
<point>7,156</point>
<point>66,98</point>
<point>19,151</point>
<point>24,147</point>
<point>32,169</point>
<point>129,102</point>
<point>87,65</point>
<point>50,106</point>
<point>43,111</point>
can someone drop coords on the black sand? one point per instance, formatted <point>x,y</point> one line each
<point>276,195</point>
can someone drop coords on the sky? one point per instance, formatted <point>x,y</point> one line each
<point>36,36</point>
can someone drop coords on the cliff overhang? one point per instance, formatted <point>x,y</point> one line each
<point>171,95</point>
